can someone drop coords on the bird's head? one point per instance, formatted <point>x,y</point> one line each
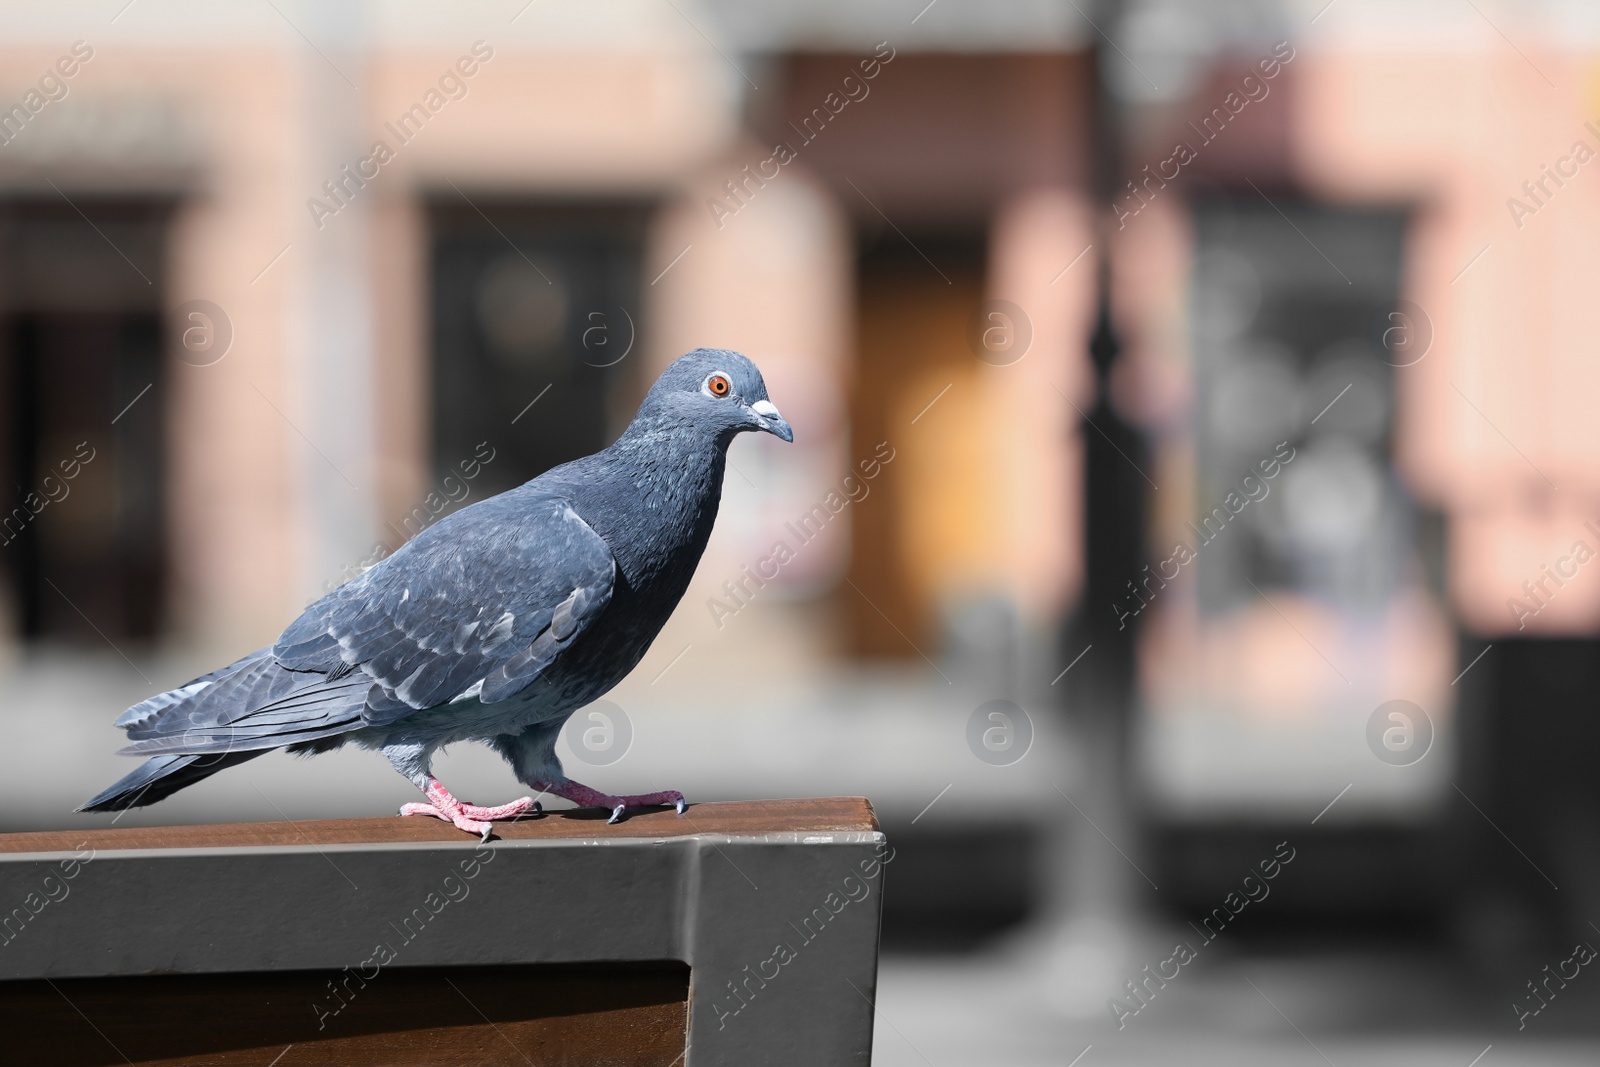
<point>718,390</point>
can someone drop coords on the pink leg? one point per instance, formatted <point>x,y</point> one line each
<point>585,797</point>
<point>469,817</point>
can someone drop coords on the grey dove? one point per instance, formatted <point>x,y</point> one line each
<point>494,624</point>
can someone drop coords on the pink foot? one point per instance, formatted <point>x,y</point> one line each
<point>585,797</point>
<point>472,818</point>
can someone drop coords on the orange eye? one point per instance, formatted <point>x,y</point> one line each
<point>718,385</point>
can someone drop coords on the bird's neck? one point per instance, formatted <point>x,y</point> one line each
<point>654,500</point>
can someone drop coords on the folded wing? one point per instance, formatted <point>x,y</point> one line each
<point>479,604</point>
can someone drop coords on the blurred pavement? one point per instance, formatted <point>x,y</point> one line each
<point>1351,1008</point>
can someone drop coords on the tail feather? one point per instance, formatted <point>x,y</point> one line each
<point>231,715</point>
<point>161,776</point>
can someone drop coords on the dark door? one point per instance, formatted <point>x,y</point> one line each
<point>912,324</point>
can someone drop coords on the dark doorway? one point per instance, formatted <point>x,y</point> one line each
<point>915,299</point>
<point>82,534</point>
<point>535,319</point>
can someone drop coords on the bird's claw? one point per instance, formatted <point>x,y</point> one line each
<point>472,818</point>
<point>520,806</point>
<point>620,805</point>
<point>585,797</point>
<point>458,818</point>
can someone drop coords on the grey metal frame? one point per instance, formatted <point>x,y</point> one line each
<point>722,904</point>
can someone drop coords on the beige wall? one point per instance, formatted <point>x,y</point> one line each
<point>256,456</point>
<point>276,486</point>
<point>1496,422</point>
<point>1035,458</point>
<point>774,283</point>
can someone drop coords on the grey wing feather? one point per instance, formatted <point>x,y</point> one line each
<point>146,710</point>
<point>263,706</point>
<point>494,610</point>
<point>566,622</point>
<point>485,598</point>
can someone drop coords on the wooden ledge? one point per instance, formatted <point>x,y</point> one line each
<point>734,819</point>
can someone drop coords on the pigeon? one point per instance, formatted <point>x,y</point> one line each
<point>494,624</point>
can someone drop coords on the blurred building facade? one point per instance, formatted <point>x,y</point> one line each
<point>365,241</point>
<point>281,286</point>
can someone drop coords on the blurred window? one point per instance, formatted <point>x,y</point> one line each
<point>81,431</point>
<point>1289,331</point>
<point>536,323</point>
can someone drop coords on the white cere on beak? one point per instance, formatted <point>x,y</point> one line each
<point>766,409</point>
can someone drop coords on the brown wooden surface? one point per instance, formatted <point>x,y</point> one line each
<point>554,1016</point>
<point>740,818</point>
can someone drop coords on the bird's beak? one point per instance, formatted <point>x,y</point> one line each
<point>766,413</point>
